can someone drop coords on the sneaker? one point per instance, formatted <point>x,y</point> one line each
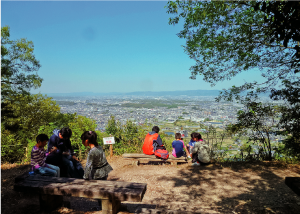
<point>189,157</point>
<point>196,164</point>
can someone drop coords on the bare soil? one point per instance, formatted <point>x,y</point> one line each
<point>234,188</point>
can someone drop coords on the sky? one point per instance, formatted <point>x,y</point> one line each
<point>106,46</point>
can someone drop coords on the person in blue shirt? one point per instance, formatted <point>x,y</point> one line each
<point>179,147</point>
<point>192,142</point>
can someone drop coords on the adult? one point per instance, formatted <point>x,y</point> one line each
<point>63,154</point>
<point>152,141</point>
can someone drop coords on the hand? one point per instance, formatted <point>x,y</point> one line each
<point>66,153</point>
<point>53,149</point>
<point>75,158</point>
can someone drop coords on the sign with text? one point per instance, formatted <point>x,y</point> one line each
<point>108,140</point>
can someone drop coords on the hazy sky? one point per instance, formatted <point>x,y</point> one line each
<point>105,46</point>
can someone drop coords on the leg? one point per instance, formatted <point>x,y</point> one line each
<point>56,168</point>
<point>71,169</point>
<point>194,158</point>
<point>46,171</point>
<point>110,206</point>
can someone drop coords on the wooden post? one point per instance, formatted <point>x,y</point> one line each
<point>111,151</point>
<point>110,206</point>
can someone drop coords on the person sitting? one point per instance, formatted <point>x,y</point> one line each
<point>179,147</point>
<point>97,167</point>
<point>200,152</point>
<point>152,141</point>
<point>63,154</point>
<point>191,144</point>
<point>38,156</point>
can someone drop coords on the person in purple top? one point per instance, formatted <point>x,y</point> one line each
<point>38,156</point>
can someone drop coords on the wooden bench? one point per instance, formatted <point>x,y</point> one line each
<point>52,189</point>
<point>142,157</point>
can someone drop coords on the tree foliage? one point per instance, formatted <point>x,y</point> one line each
<point>260,120</point>
<point>31,112</point>
<point>227,38</point>
<point>290,116</point>
<point>18,71</point>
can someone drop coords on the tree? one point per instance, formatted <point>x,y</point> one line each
<point>227,38</point>
<point>260,119</point>
<point>31,112</point>
<point>290,116</point>
<point>18,67</point>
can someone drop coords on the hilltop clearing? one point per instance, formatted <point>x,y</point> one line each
<point>238,188</point>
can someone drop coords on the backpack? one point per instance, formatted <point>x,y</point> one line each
<point>162,154</point>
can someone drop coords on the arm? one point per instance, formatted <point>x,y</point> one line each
<point>159,141</point>
<point>88,166</point>
<point>195,148</point>
<point>51,143</point>
<point>37,158</point>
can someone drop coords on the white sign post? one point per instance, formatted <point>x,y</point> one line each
<point>110,141</point>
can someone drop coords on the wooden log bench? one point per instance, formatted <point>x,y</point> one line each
<point>137,157</point>
<point>52,189</point>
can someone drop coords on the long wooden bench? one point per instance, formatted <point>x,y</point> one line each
<point>52,189</point>
<point>137,157</point>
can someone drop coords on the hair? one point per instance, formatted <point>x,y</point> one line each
<point>193,135</point>
<point>198,136</point>
<point>177,136</point>
<point>42,137</point>
<point>66,133</point>
<point>155,129</point>
<point>91,136</point>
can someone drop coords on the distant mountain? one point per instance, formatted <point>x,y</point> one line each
<point>140,93</point>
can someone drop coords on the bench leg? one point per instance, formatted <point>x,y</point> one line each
<point>49,203</point>
<point>174,163</point>
<point>110,206</point>
<point>136,163</point>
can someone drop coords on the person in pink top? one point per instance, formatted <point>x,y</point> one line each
<point>179,147</point>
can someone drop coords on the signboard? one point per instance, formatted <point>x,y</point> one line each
<point>108,140</point>
<point>183,133</point>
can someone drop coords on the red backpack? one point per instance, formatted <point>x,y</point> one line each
<point>162,154</point>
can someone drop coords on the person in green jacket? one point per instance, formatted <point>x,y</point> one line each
<point>97,167</point>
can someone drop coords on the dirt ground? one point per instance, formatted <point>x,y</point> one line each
<point>235,188</point>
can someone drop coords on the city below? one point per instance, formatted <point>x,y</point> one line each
<point>153,109</point>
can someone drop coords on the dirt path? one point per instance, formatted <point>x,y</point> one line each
<point>250,188</point>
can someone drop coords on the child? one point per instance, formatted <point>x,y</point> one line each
<point>192,142</point>
<point>178,146</point>
<point>97,167</point>
<point>38,156</point>
<point>200,151</point>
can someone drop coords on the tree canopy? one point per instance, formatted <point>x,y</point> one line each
<point>18,71</point>
<point>227,38</point>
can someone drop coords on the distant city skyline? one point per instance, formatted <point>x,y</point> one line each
<point>106,46</point>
